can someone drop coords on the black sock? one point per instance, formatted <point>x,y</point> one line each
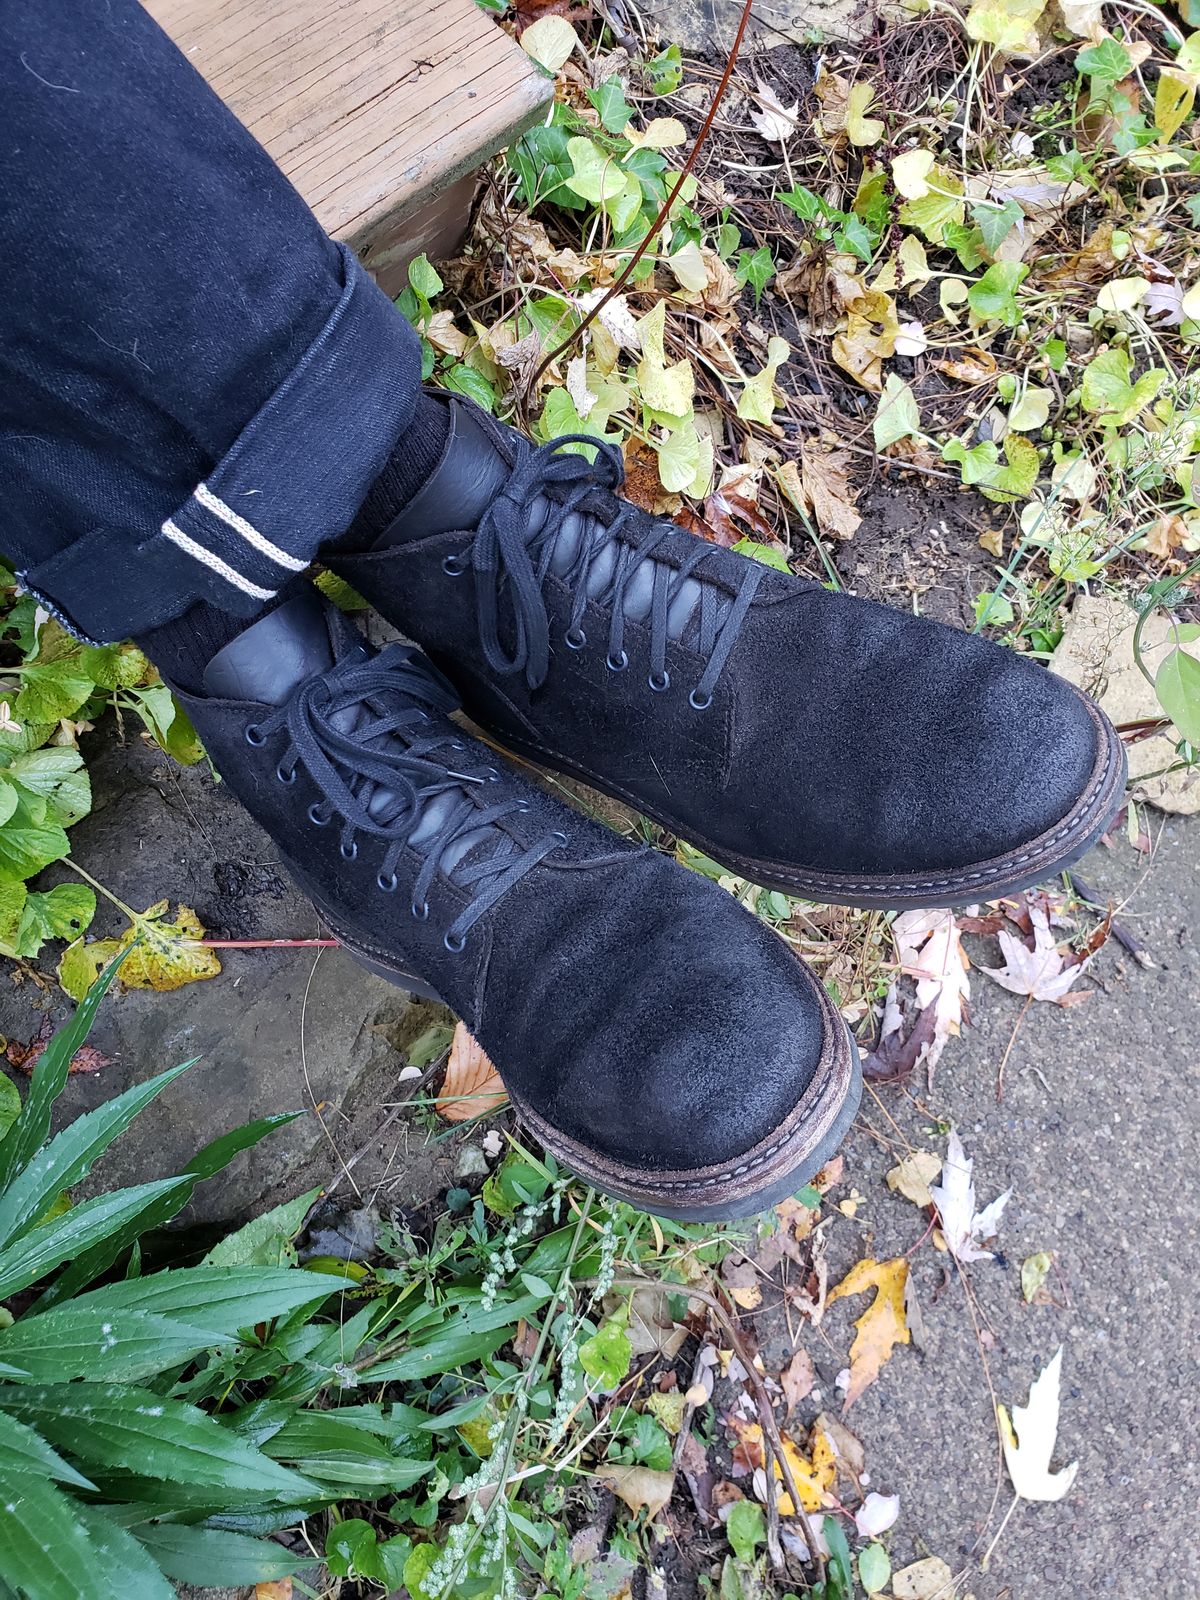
<point>183,648</point>
<point>408,469</point>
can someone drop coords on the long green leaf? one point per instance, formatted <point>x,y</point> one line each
<point>77,1341</point>
<point>126,1566</point>
<point>213,1559</point>
<point>44,1248</point>
<point>28,1134</point>
<point>223,1300</point>
<point>23,1450</point>
<point>118,1425</point>
<point>443,1354</point>
<point>45,1552</point>
<point>68,1158</point>
<point>206,1163</point>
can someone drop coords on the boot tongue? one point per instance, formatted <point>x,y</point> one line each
<point>466,480</point>
<point>269,660</point>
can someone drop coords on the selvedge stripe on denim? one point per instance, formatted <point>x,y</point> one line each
<point>214,563</point>
<point>214,503</point>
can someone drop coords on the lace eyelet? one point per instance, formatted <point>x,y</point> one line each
<point>350,852</point>
<point>659,681</point>
<point>387,885</point>
<point>285,777</point>
<point>453,566</point>
<point>455,745</point>
<point>575,638</point>
<point>617,663</point>
<point>492,774</point>
<point>315,817</point>
<point>420,912</point>
<point>455,946</point>
<point>560,836</point>
<point>699,702</point>
<point>255,735</point>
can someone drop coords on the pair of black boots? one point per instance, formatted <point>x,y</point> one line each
<point>654,1035</point>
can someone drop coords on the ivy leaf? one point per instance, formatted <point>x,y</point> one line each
<point>756,403</point>
<point>896,416</point>
<point>855,237</point>
<point>595,175</point>
<point>1107,392</point>
<point>757,268</point>
<point>543,165</point>
<point>1108,61</point>
<point>993,296</point>
<point>609,100</point>
<point>981,466</point>
<point>931,213</point>
<point>664,389</point>
<point>664,73</point>
<point>967,244</point>
<point>862,130</point>
<point>996,225</point>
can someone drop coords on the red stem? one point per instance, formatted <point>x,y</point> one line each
<point>264,944</point>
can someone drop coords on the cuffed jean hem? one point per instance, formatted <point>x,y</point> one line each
<point>294,478</point>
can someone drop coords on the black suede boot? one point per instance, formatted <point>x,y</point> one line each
<point>813,742</point>
<point>655,1037</point>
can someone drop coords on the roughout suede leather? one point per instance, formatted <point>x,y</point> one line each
<point>635,1007</point>
<point>843,737</point>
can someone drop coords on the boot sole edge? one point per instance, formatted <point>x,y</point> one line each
<point>1043,859</point>
<point>779,1166</point>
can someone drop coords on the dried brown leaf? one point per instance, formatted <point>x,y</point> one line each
<point>472,1087</point>
<point>26,1056</point>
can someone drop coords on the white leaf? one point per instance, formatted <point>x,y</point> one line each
<point>876,1515</point>
<point>910,171</point>
<point>577,387</point>
<point>1030,1437</point>
<point>964,1228</point>
<point>930,949</point>
<point>549,41</point>
<point>1040,973</point>
<point>1122,294</point>
<point>910,339</point>
<point>775,122</point>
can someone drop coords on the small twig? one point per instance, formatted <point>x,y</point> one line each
<point>260,944</point>
<point>1012,1039</point>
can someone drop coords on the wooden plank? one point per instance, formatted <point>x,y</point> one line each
<point>373,108</point>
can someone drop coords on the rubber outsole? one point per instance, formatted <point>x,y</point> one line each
<point>1037,862</point>
<point>732,1195</point>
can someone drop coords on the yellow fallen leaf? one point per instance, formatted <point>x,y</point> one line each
<point>1173,101</point>
<point>930,1579</point>
<point>749,1297</point>
<point>910,172</point>
<point>550,41</point>
<point>164,954</point>
<point>912,1176</point>
<point>862,130</point>
<point>813,1477</point>
<point>639,1487</point>
<point>472,1086</point>
<point>274,1589</point>
<point>868,338</point>
<point>1008,24</point>
<point>882,1325</point>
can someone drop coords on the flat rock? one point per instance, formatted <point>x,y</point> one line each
<point>1096,654</point>
<point>278,1030</point>
<point>707,27</point>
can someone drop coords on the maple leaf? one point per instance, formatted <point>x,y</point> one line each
<point>1030,1437</point>
<point>472,1087</point>
<point>1042,973</point>
<point>883,1324</point>
<point>775,122</point>
<point>930,949</point>
<point>813,1474</point>
<point>963,1227</point>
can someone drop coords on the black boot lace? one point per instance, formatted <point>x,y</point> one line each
<point>511,553</point>
<point>359,733</point>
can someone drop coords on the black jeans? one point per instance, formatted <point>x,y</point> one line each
<point>197,385</point>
